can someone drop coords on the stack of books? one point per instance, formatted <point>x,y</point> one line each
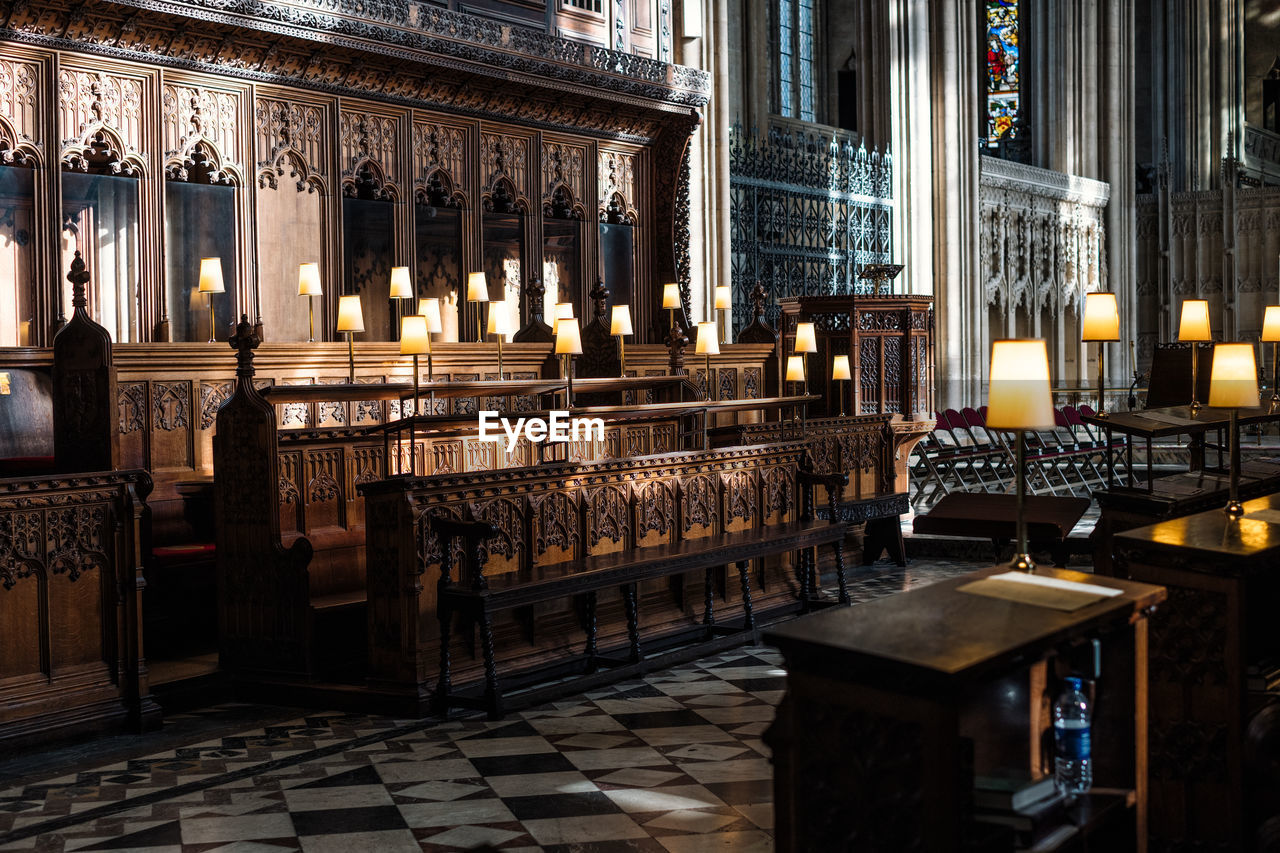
<point>1031,807</point>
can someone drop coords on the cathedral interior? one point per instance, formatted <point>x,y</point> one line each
<point>639,425</point>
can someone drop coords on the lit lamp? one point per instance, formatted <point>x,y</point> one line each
<point>499,325</point>
<point>620,328</point>
<point>1271,335</point>
<point>211,283</point>
<point>350,320</point>
<point>401,287</point>
<point>429,308</point>
<point>477,291</point>
<point>568,344</point>
<point>795,373</point>
<point>671,300</point>
<point>708,345</point>
<point>309,286</point>
<point>840,372</point>
<point>1101,323</point>
<point>1233,383</point>
<point>414,340</point>
<point>1019,399</point>
<point>1194,328</point>
<point>806,342</point>
<point>723,301</point>
<point>564,310</point>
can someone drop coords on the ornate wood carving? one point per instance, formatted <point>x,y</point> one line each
<point>563,180</point>
<point>616,179</point>
<point>368,143</point>
<point>439,164</point>
<point>199,129</point>
<point>21,129</point>
<point>291,142</point>
<point>100,122</point>
<point>554,522</point>
<point>608,515</point>
<point>699,500</point>
<point>84,388</point>
<point>504,172</point>
<point>171,405</point>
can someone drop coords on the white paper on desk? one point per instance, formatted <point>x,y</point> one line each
<point>1270,516</point>
<point>1161,417</point>
<point>1058,583</point>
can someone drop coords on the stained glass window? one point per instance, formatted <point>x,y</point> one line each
<point>1002,68</point>
<point>806,60</point>
<point>785,96</point>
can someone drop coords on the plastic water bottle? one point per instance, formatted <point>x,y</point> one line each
<point>1073,760</point>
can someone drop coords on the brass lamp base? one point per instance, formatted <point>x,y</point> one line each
<point>1022,563</point>
<point>1195,406</point>
<point>1234,509</point>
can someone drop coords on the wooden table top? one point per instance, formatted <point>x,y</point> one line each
<point>1137,423</point>
<point>993,516</point>
<point>937,638</point>
<point>1209,541</point>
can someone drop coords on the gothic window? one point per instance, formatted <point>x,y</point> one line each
<point>795,80</point>
<point>199,222</point>
<point>1003,69</point>
<point>17,257</point>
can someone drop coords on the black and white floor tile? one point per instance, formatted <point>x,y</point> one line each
<point>673,762</point>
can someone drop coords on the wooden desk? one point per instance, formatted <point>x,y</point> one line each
<point>1220,618</point>
<point>891,706</point>
<point>1149,424</point>
<point>1050,519</point>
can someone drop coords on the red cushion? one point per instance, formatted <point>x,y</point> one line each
<point>181,551</point>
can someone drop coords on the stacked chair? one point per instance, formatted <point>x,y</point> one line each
<point>962,454</point>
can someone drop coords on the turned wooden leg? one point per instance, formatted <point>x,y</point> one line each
<point>492,695</point>
<point>708,602</point>
<point>445,682</point>
<point>744,574</point>
<point>633,620</point>
<point>591,631</point>
<point>838,547</point>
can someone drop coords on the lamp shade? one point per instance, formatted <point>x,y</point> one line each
<point>1019,396</point>
<point>401,286</point>
<point>564,310</point>
<point>499,318</point>
<point>1194,324</point>
<point>568,337</point>
<point>1234,380</point>
<point>430,309</point>
<point>477,287</point>
<point>795,368</point>
<point>1101,320</point>
<point>309,280</point>
<point>806,339</point>
<point>708,340</point>
<point>350,315</point>
<point>840,368</point>
<point>723,298</point>
<point>670,296</point>
<point>1271,324</point>
<point>211,275</point>
<point>621,324</point>
<point>414,338</point>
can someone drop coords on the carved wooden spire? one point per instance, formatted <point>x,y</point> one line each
<point>599,301</point>
<point>244,341</point>
<point>79,277</point>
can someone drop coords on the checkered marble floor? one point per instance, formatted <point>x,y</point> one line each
<point>672,762</point>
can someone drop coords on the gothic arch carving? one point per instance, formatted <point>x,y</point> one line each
<point>202,163</point>
<point>561,204</point>
<point>368,181</point>
<point>503,197</point>
<point>15,148</point>
<point>290,163</point>
<point>616,211</point>
<point>102,150</point>
<point>439,190</point>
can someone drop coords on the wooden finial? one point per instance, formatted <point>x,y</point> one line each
<point>758,297</point>
<point>79,277</point>
<point>534,292</point>
<point>244,341</point>
<point>599,301</point>
<point>676,342</point>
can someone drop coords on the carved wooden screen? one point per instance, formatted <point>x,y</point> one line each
<point>806,214</point>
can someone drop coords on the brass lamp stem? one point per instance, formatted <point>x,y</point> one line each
<point>1275,376</point>
<point>1195,351</point>
<point>841,391</point>
<point>211,326</point>
<point>1102,377</point>
<point>311,319</point>
<point>1022,561</point>
<point>351,358</point>
<point>500,377</point>
<point>622,354</point>
<point>1234,508</point>
<point>479,326</point>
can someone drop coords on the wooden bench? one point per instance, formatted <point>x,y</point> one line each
<point>477,596</point>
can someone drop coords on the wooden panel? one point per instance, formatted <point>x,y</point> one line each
<point>22,105</point>
<point>370,151</point>
<point>98,107</point>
